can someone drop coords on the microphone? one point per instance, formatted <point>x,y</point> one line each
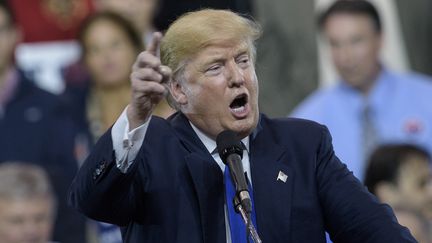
<point>231,152</point>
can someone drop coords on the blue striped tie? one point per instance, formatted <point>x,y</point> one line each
<point>237,225</point>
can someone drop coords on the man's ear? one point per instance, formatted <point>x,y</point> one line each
<point>178,92</point>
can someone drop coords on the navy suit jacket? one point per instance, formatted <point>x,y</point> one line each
<point>173,192</point>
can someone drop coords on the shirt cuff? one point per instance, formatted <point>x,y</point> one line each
<point>127,143</point>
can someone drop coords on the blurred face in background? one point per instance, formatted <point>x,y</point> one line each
<point>109,53</point>
<point>26,221</point>
<point>139,12</point>
<point>8,39</point>
<point>414,184</point>
<point>354,45</point>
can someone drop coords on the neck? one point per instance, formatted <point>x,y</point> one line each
<point>111,102</point>
<point>4,75</point>
<point>370,82</point>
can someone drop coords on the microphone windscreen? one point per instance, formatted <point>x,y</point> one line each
<point>228,143</point>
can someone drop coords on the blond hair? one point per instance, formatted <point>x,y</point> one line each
<point>196,30</point>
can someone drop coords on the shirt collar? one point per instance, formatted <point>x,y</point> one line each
<point>377,96</point>
<point>210,144</point>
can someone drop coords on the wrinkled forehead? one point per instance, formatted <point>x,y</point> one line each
<point>223,48</point>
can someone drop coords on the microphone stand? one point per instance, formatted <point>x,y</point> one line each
<point>246,218</point>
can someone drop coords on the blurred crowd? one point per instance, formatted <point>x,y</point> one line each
<point>359,67</point>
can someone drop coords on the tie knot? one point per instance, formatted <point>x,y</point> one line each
<point>243,146</point>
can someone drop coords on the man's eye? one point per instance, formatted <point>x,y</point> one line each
<point>243,62</point>
<point>214,69</point>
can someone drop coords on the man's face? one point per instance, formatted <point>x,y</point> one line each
<point>354,45</point>
<point>414,184</point>
<point>221,89</point>
<point>26,221</point>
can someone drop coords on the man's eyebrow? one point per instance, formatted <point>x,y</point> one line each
<point>242,53</point>
<point>204,65</point>
<point>215,59</point>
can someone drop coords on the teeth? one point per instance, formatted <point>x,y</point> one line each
<point>238,109</point>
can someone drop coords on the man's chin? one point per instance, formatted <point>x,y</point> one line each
<point>244,127</point>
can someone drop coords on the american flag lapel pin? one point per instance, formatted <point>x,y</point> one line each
<point>282,177</point>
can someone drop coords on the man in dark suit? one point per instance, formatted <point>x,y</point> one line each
<point>162,180</point>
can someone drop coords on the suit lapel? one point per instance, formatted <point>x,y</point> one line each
<point>207,180</point>
<point>272,181</point>
<point>272,196</point>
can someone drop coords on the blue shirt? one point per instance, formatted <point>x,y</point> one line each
<point>401,111</point>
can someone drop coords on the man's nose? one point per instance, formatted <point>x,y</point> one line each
<point>235,75</point>
<point>345,55</point>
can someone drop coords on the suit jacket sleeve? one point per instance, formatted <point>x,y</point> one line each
<point>352,214</point>
<point>100,190</point>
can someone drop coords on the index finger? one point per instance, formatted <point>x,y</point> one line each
<point>153,46</point>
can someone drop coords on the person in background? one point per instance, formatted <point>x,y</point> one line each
<point>141,14</point>
<point>370,105</point>
<point>48,45</point>
<point>27,204</point>
<point>34,128</point>
<point>110,44</point>
<point>163,181</point>
<point>399,175</point>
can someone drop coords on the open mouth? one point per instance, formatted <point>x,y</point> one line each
<point>239,103</point>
